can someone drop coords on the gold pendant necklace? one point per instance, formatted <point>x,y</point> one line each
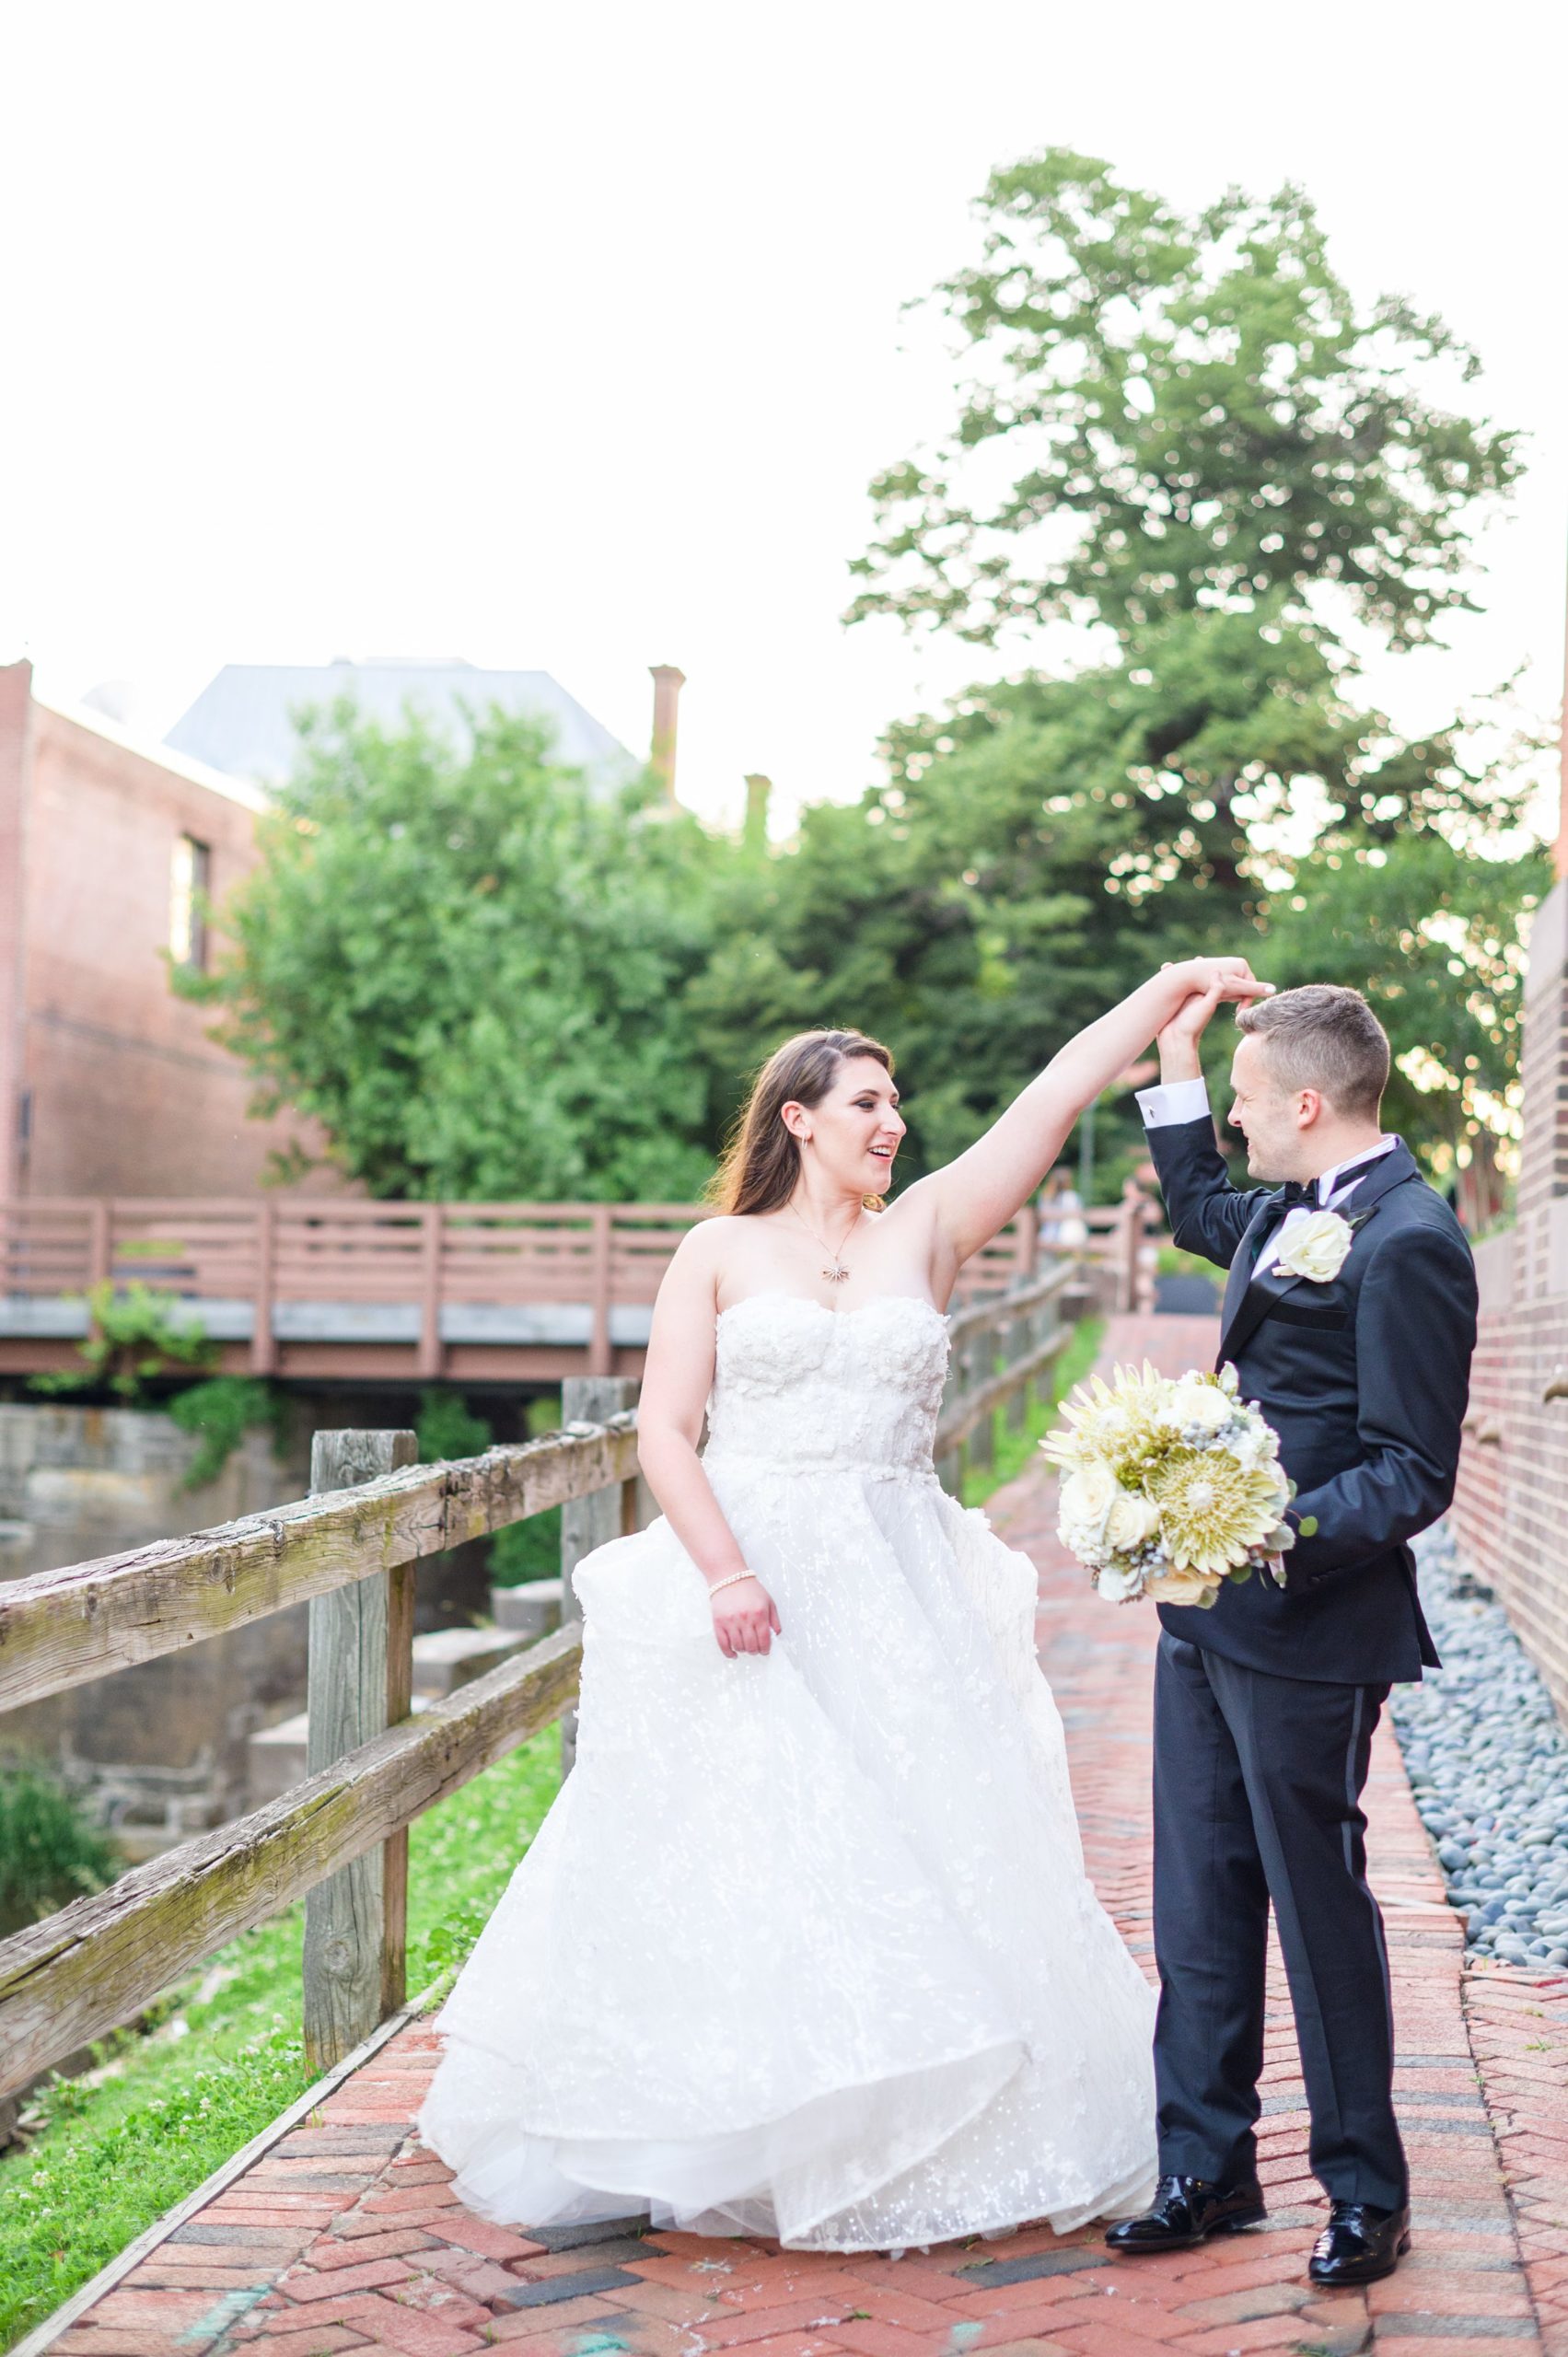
<point>837,1275</point>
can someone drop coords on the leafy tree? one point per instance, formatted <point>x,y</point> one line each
<point>1173,411</point>
<point>470,968</point>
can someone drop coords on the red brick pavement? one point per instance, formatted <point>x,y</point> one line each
<point>345,2234</point>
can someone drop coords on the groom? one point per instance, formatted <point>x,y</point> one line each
<point>1353,1335</point>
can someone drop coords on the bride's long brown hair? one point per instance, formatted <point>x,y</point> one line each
<point>761,1165</point>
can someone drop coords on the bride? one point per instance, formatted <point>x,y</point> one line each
<point>806,1947</point>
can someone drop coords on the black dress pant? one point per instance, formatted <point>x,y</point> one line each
<point>1257,1784</point>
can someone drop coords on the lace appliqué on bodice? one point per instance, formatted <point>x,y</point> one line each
<point>805,1388</point>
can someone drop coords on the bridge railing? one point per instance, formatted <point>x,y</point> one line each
<point>277,1279</point>
<point>339,1838</point>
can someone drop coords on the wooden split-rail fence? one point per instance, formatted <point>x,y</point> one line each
<point>340,1839</point>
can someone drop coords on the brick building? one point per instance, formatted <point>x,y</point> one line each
<point>109,1084</point>
<point>1511,1512</point>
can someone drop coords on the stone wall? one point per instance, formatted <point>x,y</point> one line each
<point>1511,1510</point>
<point>158,1750</point>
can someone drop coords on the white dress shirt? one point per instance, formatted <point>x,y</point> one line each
<point>1188,1100</point>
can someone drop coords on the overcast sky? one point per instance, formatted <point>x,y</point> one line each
<point>569,338</point>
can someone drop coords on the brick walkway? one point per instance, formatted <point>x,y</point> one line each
<point>346,2236</point>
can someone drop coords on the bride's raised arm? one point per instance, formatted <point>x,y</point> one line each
<point>977,1194</point>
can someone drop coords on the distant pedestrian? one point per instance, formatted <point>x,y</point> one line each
<point>1061,1223</point>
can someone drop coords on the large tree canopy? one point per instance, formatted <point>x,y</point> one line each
<point>1173,411</point>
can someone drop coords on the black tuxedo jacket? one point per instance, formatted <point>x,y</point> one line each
<point>1365,1381</point>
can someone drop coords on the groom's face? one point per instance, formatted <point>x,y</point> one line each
<point>1268,1115</point>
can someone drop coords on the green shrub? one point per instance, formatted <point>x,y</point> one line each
<point>49,1852</point>
<point>526,1550</point>
<point>136,1335</point>
<point>446,1428</point>
<point>219,1414</point>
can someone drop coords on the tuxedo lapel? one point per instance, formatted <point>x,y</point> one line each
<point>1242,1281</point>
<point>1246,1307</point>
<point>1254,1306</point>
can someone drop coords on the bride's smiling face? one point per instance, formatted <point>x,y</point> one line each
<point>851,1136</point>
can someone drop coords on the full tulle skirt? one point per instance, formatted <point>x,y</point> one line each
<point>806,1947</point>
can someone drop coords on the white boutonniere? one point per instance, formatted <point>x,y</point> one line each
<point>1315,1248</point>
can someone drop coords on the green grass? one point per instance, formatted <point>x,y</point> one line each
<point>1014,1450</point>
<point>168,2106</point>
<point>1173,1262</point>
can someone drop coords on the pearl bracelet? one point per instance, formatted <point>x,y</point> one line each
<point>730,1580</point>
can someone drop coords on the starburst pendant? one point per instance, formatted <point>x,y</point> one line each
<point>836,1275</point>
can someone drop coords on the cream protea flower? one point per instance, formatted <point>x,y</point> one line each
<point>1107,1418</point>
<point>1212,1510</point>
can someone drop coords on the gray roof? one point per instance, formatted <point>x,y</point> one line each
<point>242,723</point>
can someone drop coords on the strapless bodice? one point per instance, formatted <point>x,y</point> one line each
<point>800,1389</point>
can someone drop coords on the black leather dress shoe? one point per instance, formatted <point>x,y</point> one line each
<point>1359,2244</point>
<point>1185,2210</point>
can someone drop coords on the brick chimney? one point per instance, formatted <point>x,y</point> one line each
<point>667,684</point>
<point>754,833</point>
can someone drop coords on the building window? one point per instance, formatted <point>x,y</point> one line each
<point>189,878</point>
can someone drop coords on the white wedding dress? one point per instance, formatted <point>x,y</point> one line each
<point>805,1947</point>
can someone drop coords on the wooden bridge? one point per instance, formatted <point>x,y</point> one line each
<point>342,1289</point>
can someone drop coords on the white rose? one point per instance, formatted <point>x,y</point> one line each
<point>1131,1519</point>
<point>1118,1583</point>
<point>1091,1492</point>
<point>1315,1248</point>
<point>1087,1497</point>
<point>1204,1407</point>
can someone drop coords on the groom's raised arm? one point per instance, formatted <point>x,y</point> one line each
<point>1207,1215</point>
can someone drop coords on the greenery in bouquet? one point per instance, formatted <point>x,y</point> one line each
<point>1170,1485</point>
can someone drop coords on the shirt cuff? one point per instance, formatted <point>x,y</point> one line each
<point>1179,1100</point>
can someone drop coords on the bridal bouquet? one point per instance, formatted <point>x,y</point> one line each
<point>1170,1485</point>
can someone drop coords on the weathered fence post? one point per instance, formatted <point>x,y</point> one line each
<point>978,1360</point>
<point>589,1521</point>
<point>360,1677</point>
<point>1015,1346</point>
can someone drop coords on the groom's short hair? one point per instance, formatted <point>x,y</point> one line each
<point>1323,1037</point>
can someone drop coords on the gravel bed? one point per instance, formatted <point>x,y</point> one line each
<point>1487,1757</point>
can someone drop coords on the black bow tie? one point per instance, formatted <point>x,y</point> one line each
<point>1303,1192</point>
